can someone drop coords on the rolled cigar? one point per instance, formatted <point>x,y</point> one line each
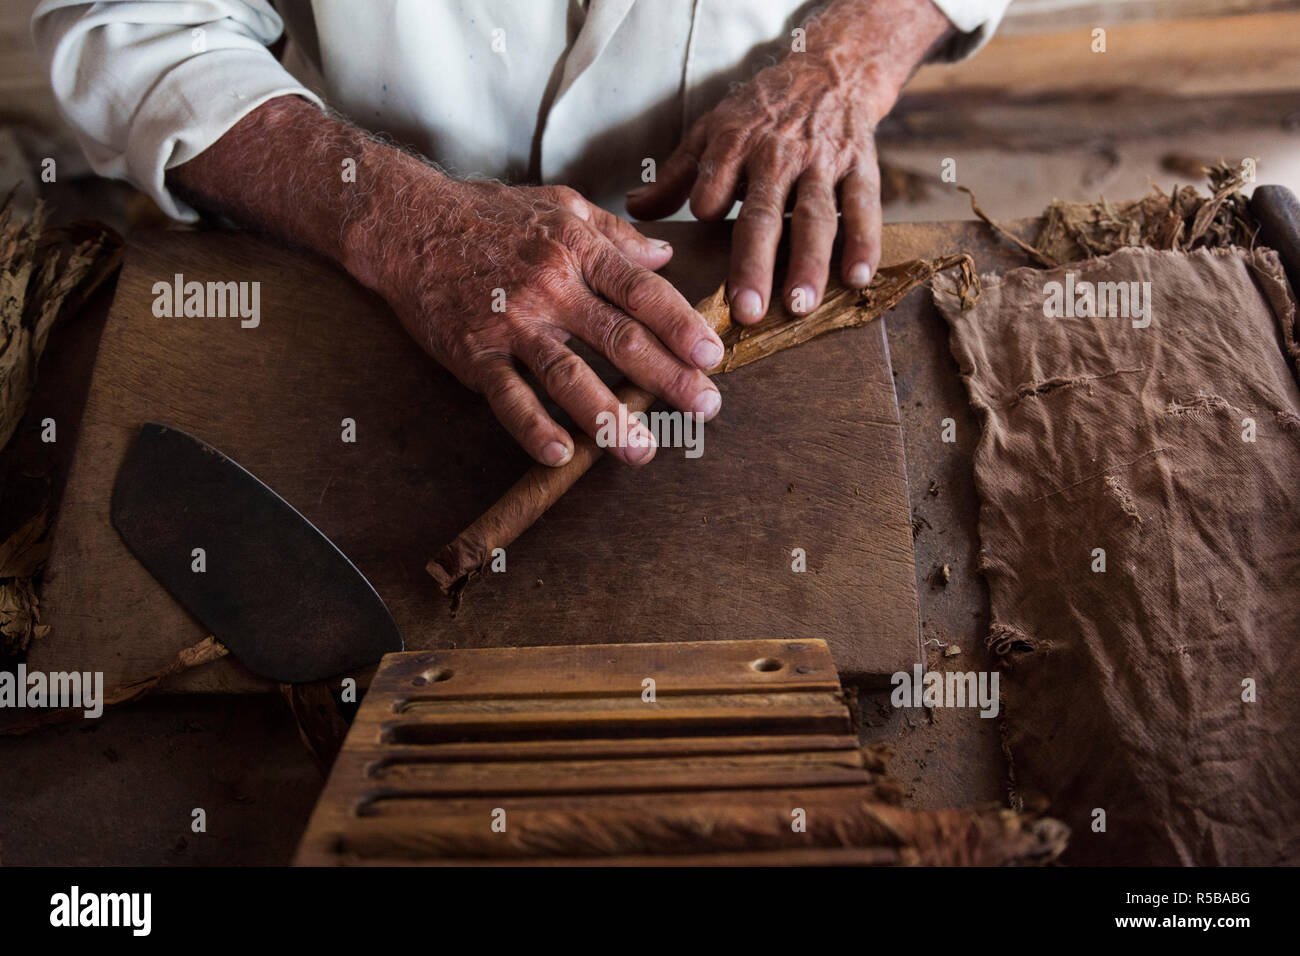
<point>542,486</point>
<point>520,507</point>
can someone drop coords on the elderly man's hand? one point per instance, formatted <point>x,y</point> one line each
<point>502,276</point>
<point>797,132</point>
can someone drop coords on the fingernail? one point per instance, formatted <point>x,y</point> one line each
<point>747,304</point>
<point>707,403</point>
<point>640,445</point>
<point>802,299</point>
<point>555,454</point>
<point>659,243</point>
<point>860,274</point>
<point>707,353</point>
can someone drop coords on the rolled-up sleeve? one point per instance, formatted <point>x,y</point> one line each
<point>149,84</point>
<point>975,20</point>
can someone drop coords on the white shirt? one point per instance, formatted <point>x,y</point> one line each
<point>565,91</point>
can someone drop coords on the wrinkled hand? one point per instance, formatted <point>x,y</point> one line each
<point>503,277</point>
<point>799,131</point>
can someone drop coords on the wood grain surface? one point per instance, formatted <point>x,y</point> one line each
<point>806,454</point>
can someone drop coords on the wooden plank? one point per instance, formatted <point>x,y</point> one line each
<point>810,714</point>
<point>1210,56</point>
<point>601,775</point>
<point>613,747</point>
<point>1053,16</point>
<point>807,453</point>
<point>586,669</point>
<point>475,808</point>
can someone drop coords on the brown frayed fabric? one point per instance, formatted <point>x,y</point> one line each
<point>1163,690</point>
<point>540,487</point>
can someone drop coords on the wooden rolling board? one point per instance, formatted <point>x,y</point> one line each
<point>564,747</point>
<point>807,453</point>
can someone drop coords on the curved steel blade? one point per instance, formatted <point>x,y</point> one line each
<point>272,588</point>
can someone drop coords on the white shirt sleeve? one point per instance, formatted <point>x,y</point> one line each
<point>149,84</point>
<point>975,21</point>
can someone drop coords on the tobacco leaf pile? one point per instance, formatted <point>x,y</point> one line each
<point>1181,221</point>
<point>45,273</point>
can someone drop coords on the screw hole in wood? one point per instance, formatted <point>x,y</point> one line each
<point>432,677</point>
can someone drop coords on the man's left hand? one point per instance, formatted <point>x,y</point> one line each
<point>799,131</point>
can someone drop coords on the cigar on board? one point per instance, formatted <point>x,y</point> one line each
<point>542,486</point>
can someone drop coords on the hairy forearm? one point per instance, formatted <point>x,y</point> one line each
<point>485,277</point>
<point>301,175</point>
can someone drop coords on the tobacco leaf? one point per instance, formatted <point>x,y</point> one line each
<point>1181,221</point>
<point>1038,255</point>
<point>45,272</point>
<point>842,308</point>
<point>321,726</point>
<point>21,558</point>
<point>24,553</point>
<point>20,616</point>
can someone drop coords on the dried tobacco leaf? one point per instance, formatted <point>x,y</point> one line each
<point>841,308</point>
<point>1181,221</point>
<point>44,273</point>
<point>20,616</point>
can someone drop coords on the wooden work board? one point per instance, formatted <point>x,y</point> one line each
<point>807,453</point>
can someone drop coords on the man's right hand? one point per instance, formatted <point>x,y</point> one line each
<point>489,279</point>
<point>503,276</point>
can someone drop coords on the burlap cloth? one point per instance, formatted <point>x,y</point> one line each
<point>1123,689</point>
